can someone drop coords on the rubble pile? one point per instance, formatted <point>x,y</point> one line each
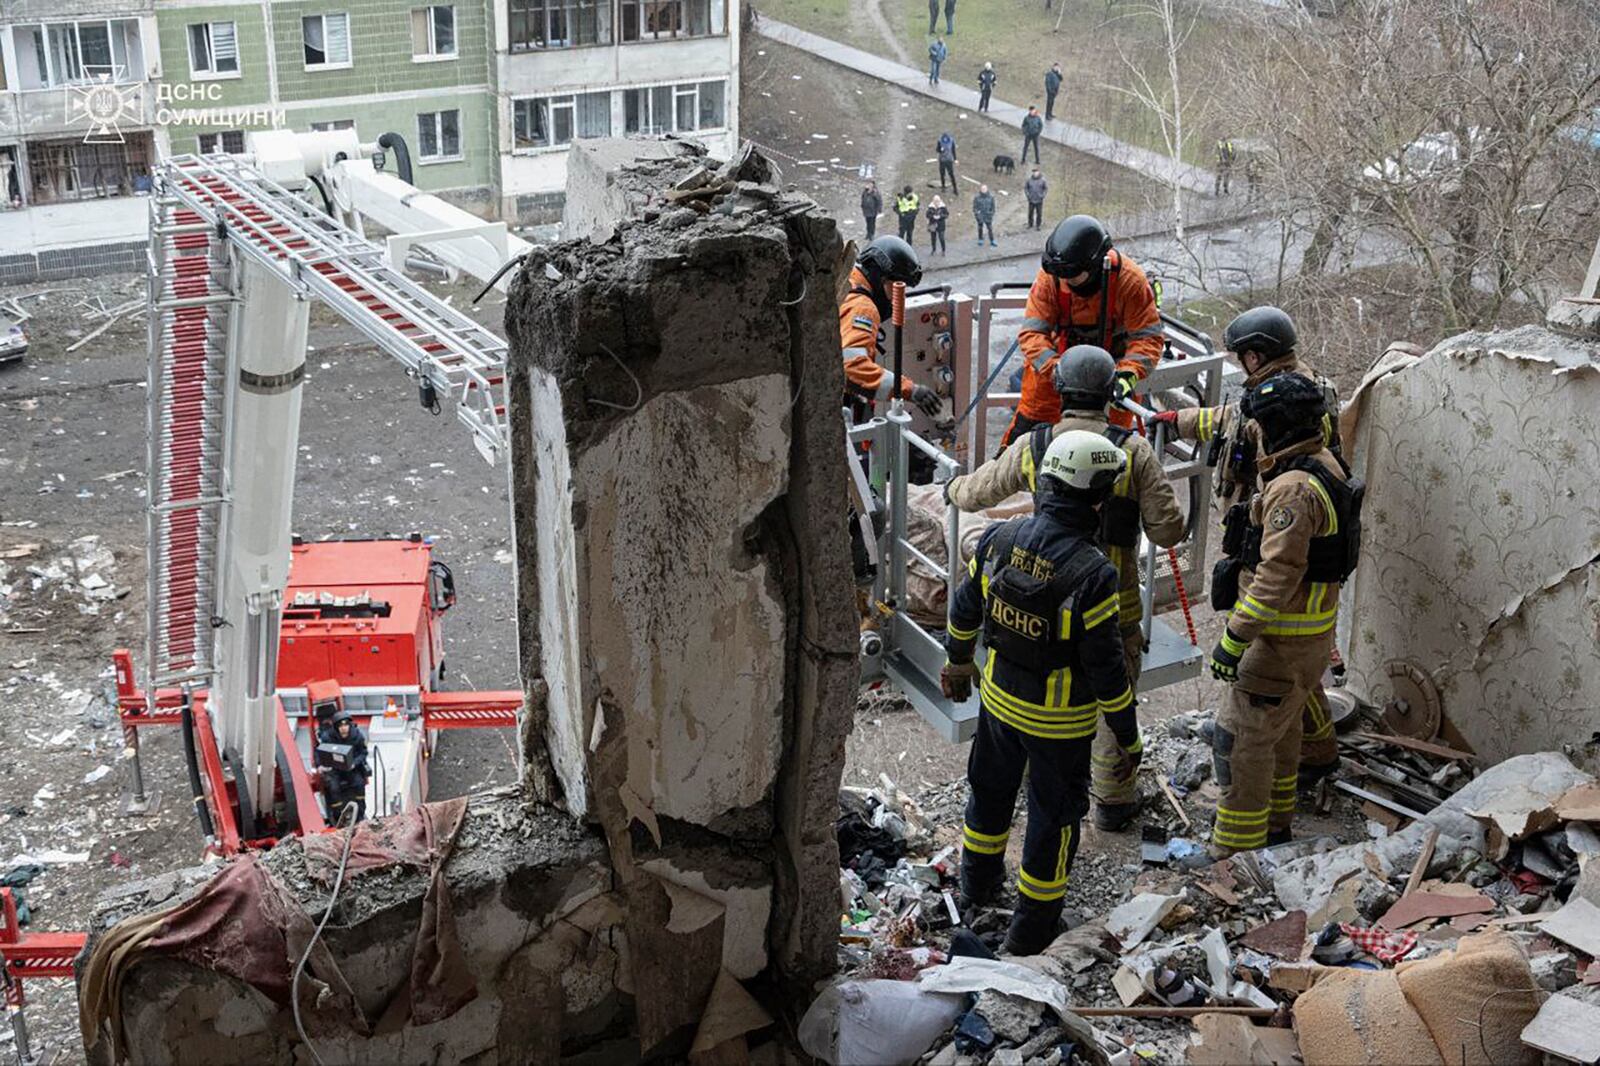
<point>1466,934</point>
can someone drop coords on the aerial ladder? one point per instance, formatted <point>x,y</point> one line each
<point>241,247</point>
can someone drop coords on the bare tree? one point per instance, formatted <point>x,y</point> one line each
<point>1163,94</point>
<point>1449,127</point>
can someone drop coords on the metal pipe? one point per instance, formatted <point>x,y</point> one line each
<point>1148,594</point>
<point>898,317</point>
<point>139,798</point>
<point>926,560</point>
<point>191,761</point>
<point>952,552</point>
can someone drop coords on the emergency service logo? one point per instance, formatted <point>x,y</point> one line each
<point>102,105</point>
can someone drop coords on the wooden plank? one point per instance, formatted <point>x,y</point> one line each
<point>1166,790</point>
<point>1426,747</point>
<point>1424,857</point>
<point>1382,801</point>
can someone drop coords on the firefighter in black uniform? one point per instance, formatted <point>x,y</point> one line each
<point>1045,599</point>
<point>345,773</point>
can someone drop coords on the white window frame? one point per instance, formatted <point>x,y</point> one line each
<point>121,73</point>
<point>679,90</point>
<point>566,102</point>
<point>438,136</point>
<point>332,125</point>
<point>217,138</point>
<point>349,41</point>
<point>433,55</point>
<point>637,8</point>
<point>213,74</point>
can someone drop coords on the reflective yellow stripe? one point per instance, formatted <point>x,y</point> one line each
<point>1066,623</point>
<point>1256,609</point>
<point>1232,645</point>
<point>1327,506</point>
<point>1100,612</point>
<point>1202,425</point>
<point>1243,841</point>
<point>972,567</point>
<point>1303,625</point>
<point>1117,704</point>
<point>1322,725</point>
<point>1232,817</point>
<point>961,634</point>
<point>1029,476</point>
<point>1282,806</point>
<point>984,843</point>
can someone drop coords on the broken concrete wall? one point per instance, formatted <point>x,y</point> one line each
<point>684,579</point>
<point>1481,548</point>
<point>536,919</point>
<point>613,178</point>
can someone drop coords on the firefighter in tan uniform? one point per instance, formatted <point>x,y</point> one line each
<point>1085,377</point>
<point>1299,546</point>
<point>1263,340</point>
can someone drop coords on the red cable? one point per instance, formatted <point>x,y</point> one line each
<point>1183,595</point>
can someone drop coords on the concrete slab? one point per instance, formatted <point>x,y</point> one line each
<point>88,222</point>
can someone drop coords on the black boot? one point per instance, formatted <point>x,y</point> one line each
<point>981,878</point>
<point>1033,926</point>
<point>1279,836</point>
<point>1115,817</point>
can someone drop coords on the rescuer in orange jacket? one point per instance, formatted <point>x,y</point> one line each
<point>1085,293</point>
<point>880,264</point>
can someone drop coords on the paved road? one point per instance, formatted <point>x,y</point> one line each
<point>1153,165</point>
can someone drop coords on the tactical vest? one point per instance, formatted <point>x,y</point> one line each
<point>1119,515</point>
<point>1022,613</point>
<point>1240,451</point>
<point>1329,558</point>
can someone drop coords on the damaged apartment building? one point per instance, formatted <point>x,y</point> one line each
<point>489,98</point>
<point>667,882</point>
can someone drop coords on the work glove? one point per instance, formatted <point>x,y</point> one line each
<point>955,681</point>
<point>1226,655</point>
<point>1132,756</point>
<point>927,399</point>
<point>1126,382</point>
<point>1165,418</point>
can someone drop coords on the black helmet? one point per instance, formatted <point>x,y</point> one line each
<point>1287,407</point>
<point>890,259</point>
<point>1265,330</point>
<point>1077,244</point>
<point>1085,376</point>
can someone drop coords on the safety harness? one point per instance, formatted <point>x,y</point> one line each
<point>1119,515</point>
<point>1023,617</point>
<point>1331,557</point>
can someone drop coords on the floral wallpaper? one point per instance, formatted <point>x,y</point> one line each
<point>1481,541</point>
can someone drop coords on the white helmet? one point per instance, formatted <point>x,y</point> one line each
<point>1082,461</point>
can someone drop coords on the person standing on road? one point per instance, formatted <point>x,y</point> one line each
<point>1052,86</point>
<point>949,16</point>
<point>906,206</point>
<point>983,211</point>
<point>1226,155</point>
<point>871,207</point>
<point>986,80</point>
<point>1035,189</point>
<point>1032,126</point>
<point>938,52</point>
<point>938,216</point>
<point>946,149</point>
<point>1044,598</point>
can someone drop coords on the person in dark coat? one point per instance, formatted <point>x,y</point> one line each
<point>344,778</point>
<point>983,211</point>
<point>1032,126</point>
<point>938,216</point>
<point>946,150</point>
<point>986,79</point>
<point>933,17</point>
<point>949,17</point>
<point>1052,86</point>
<point>938,52</point>
<point>871,207</point>
<point>1035,189</point>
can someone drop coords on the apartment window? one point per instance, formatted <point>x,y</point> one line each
<point>213,50</point>
<point>680,108</point>
<point>333,124</point>
<point>70,53</point>
<point>433,32</point>
<point>558,23</point>
<point>230,141</point>
<point>327,40</point>
<point>439,136</point>
<point>552,121</point>
<point>650,20</point>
